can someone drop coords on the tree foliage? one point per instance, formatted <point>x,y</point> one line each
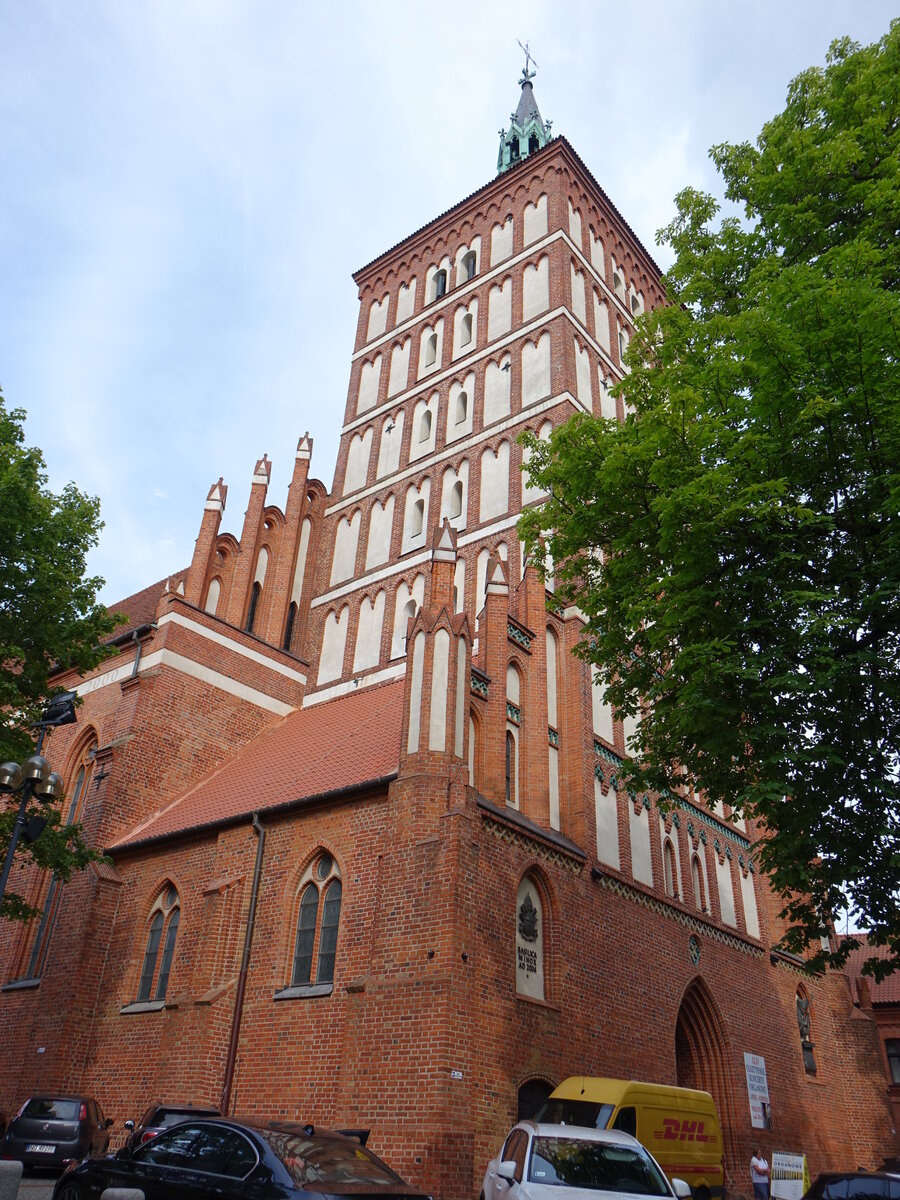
<point>735,543</point>
<point>49,619</point>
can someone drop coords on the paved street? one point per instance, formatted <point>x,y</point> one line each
<point>37,1187</point>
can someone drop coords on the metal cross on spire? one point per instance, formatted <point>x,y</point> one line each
<point>526,73</point>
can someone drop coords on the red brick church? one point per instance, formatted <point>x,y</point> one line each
<point>369,862</point>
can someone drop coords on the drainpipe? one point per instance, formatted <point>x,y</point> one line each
<point>136,638</point>
<point>242,978</point>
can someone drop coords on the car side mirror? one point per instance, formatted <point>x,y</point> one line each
<point>129,1125</point>
<point>507,1171</point>
<point>108,1123</point>
<point>681,1189</point>
<point>125,1153</point>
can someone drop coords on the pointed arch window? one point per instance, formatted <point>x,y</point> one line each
<point>318,920</point>
<point>160,948</point>
<point>52,900</point>
<point>510,767</point>
<point>470,264</point>
<point>671,877</point>
<point>697,880</point>
<point>440,284</point>
<point>533,144</point>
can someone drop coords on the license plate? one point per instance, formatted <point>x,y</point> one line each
<point>36,1148</point>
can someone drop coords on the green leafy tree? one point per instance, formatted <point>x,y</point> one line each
<point>735,543</point>
<point>49,618</point>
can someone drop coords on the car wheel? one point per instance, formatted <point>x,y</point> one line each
<point>701,1193</point>
<point>69,1191</point>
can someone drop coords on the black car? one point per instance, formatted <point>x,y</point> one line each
<point>209,1157</point>
<point>50,1131</point>
<point>855,1185</point>
<point>163,1116</point>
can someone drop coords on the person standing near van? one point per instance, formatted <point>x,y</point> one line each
<point>759,1175</point>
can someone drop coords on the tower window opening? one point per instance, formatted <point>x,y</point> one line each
<point>462,408</point>
<point>456,499</point>
<point>431,350</point>
<point>418,518</point>
<point>533,144</point>
<point>440,284</point>
<point>513,149</point>
<point>470,264</point>
<point>510,761</point>
<point>465,333</point>
<point>425,426</point>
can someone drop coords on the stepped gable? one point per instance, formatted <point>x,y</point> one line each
<point>140,608</point>
<point>344,743</point>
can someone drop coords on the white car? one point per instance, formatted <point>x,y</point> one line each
<point>536,1161</point>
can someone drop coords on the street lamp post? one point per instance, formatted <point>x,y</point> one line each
<point>34,778</point>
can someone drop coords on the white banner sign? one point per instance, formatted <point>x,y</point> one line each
<point>758,1091</point>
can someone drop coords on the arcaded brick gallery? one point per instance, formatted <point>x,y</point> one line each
<point>363,711</point>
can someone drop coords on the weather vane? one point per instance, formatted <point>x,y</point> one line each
<point>526,74</point>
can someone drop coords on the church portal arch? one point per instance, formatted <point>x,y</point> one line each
<point>702,1058</point>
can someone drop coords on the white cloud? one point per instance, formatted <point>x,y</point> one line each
<point>193,185</point>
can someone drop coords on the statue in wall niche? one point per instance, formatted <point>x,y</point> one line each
<point>803,1021</point>
<point>528,920</point>
<point>804,1025</point>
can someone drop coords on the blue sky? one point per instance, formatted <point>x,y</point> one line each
<point>189,184</point>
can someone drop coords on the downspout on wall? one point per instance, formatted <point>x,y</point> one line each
<point>242,977</point>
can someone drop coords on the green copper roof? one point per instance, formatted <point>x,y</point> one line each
<point>527,132</point>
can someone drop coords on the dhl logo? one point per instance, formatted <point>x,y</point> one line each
<point>682,1131</point>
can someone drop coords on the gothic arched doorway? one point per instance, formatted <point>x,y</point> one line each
<point>701,1059</point>
<point>532,1094</point>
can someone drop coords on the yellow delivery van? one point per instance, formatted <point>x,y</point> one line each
<point>679,1126</point>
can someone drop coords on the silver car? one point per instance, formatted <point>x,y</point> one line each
<point>537,1160</point>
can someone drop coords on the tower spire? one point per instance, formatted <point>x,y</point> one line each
<point>528,132</point>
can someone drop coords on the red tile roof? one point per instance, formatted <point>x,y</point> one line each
<point>140,609</point>
<point>343,743</point>
<point>886,992</point>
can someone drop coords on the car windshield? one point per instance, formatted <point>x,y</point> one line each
<point>52,1110</point>
<point>319,1163</point>
<point>603,1166</point>
<point>586,1113</point>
